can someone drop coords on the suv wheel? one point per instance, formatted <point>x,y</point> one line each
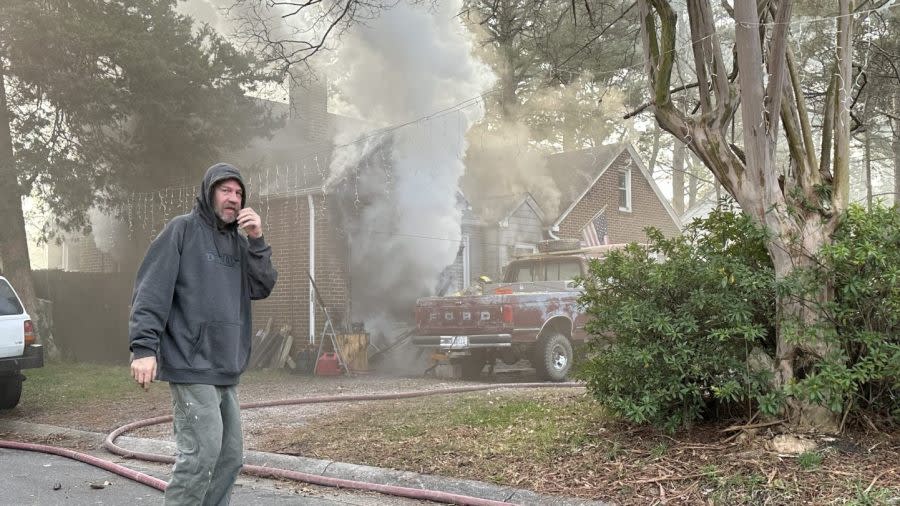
<point>10,391</point>
<point>552,357</point>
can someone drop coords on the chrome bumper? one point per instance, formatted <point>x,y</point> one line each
<point>464,342</point>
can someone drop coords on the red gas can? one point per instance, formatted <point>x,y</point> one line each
<point>328,365</point>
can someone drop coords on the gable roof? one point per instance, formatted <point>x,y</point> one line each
<point>574,172</point>
<point>584,161</point>
<point>500,208</point>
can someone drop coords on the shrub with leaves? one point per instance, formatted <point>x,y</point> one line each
<point>862,320</point>
<point>678,322</point>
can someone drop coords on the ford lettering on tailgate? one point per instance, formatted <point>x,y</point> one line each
<point>457,317</point>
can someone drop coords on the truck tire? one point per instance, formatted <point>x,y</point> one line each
<point>10,390</point>
<point>552,357</point>
<point>472,365</point>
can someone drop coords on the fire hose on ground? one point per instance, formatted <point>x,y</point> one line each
<point>277,473</point>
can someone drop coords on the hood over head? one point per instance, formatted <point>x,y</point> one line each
<point>204,202</point>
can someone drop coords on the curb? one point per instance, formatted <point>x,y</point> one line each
<point>329,468</point>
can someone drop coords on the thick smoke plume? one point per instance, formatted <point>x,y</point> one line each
<point>403,183</point>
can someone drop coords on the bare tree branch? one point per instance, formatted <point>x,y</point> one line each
<point>288,33</point>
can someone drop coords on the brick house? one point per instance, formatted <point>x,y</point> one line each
<point>611,197</point>
<point>303,219</point>
<point>606,188</point>
<point>286,176</point>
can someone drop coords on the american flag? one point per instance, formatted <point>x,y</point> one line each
<point>596,232</point>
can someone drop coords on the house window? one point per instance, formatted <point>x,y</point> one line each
<point>625,190</point>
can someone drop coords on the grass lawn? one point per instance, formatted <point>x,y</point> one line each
<point>559,442</point>
<point>551,441</point>
<point>97,397</point>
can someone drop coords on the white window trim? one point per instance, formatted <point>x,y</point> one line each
<point>627,207</point>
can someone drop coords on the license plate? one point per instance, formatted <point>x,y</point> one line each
<point>455,342</point>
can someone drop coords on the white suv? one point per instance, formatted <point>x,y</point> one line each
<point>18,349</point>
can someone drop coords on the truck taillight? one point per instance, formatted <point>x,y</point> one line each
<point>506,311</point>
<point>29,333</point>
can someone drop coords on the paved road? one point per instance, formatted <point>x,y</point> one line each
<point>30,478</point>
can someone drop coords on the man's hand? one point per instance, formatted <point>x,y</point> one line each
<point>143,370</point>
<point>248,220</point>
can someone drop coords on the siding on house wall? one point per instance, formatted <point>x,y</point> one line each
<point>524,227</point>
<point>477,241</point>
<point>624,226</point>
<point>491,259</point>
<point>475,231</point>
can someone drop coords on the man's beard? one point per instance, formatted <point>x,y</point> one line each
<point>227,219</point>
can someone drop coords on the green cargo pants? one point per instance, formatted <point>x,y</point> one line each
<point>210,444</point>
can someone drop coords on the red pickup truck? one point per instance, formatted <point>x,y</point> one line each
<point>532,314</point>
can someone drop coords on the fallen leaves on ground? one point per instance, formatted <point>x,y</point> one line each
<point>565,446</point>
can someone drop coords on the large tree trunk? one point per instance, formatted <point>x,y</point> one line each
<point>693,184</point>
<point>654,152</point>
<point>867,145</point>
<point>794,360</point>
<point>16,264</point>
<point>678,177</point>
<point>896,145</point>
<point>770,94</point>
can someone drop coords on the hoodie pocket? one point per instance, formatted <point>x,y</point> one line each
<point>219,348</point>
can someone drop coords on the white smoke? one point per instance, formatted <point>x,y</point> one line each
<point>108,233</point>
<point>409,63</point>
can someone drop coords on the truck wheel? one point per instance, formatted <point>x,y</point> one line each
<point>472,365</point>
<point>552,357</point>
<point>10,391</point>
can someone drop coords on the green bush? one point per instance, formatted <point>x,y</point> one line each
<point>681,317</point>
<point>861,321</point>
<point>686,324</point>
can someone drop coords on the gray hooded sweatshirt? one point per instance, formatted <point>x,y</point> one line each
<point>191,303</point>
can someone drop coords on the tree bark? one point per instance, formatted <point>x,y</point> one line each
<point>895,143</point>
<point>14,259</point>
<point>794,360</point>
<point>692,182</point>
<point>654,153</point>
<point>769,93</point>
<point>867,145</point>
<point>841,192</point>
<point>678,177</point>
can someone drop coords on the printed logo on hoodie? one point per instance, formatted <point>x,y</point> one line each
<point>226,260</point>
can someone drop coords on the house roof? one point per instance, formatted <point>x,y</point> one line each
<point>574,172</point>
<point>581,163</point>
<point>499,208</point>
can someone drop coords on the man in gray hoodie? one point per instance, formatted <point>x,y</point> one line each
<point>190,325</point>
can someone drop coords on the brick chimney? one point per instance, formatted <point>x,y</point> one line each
<point>309,105</point>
